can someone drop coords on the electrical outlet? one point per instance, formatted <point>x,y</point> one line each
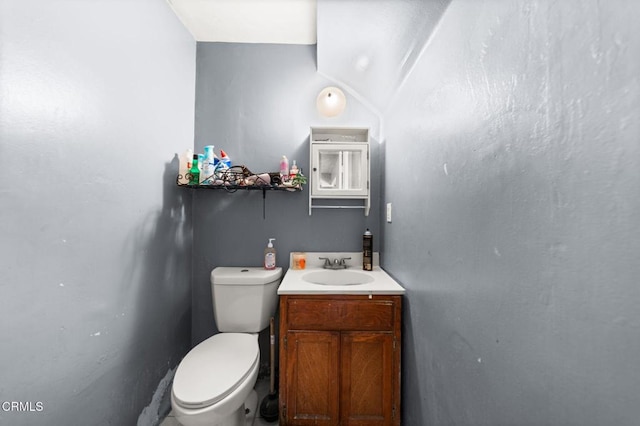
<point>388,212</point>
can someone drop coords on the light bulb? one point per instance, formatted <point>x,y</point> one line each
<point>331,101</point>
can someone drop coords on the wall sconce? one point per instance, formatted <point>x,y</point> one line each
<point>331,101</point>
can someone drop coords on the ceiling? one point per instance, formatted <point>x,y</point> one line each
<point>249,21</point>
<point>367,48</point>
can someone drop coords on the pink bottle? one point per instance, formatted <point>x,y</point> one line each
<point>284,168</point>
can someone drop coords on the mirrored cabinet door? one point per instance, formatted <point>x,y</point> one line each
<point>339,164</point>
<point>339,169</point>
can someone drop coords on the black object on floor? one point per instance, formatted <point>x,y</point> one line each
<point>269,406</point>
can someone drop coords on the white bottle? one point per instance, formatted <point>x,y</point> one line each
<point>270,255</point>
<point>185,165</point>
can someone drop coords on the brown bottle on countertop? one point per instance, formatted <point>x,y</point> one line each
<point>367,251</point>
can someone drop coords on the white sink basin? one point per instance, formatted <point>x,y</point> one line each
<point>337,277</point>
<point>314,279</point>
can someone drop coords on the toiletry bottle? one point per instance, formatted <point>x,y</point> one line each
<point>224,159</point>
<point>200,166</point>
<point>208,167</point>
<point>367,251</point>
<point>270,255</point>
<point>194,171</point>
<point>294,170</point>
<point>185,165</point>
<point>284,168</point>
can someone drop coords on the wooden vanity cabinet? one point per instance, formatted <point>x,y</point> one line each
<point>340,360</point>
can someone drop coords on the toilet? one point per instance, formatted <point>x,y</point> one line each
<point>216,378</point>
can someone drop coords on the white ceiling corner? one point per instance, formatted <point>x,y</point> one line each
<point>249,21</point>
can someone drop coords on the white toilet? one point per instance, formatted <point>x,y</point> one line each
<point>215,378</point>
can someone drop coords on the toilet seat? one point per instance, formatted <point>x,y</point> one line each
<point>214,369</point>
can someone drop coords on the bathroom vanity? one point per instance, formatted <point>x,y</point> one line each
<point>340,346</point>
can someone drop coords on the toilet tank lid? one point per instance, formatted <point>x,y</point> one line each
<point>238,275</point>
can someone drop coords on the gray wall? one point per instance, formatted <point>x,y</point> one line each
<point>517,235</point>
<point>257,102</point>
<point>515,231</point>
<point>372,46</point>
<point>95,239</point>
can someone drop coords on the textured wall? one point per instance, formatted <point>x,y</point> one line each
<point>372,46</point>
<point>518,231</point>
<point>95,99</point>
<point>257,102</point>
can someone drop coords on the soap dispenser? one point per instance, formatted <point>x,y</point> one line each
<point>270,255</point>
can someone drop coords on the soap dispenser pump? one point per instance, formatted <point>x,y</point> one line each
<point>270,256</point>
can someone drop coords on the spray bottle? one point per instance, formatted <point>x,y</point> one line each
<point>225,160</point>
<point>284,168</point>
<point>367,251</point>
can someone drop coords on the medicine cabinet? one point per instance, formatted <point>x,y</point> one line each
<point>339,159</point>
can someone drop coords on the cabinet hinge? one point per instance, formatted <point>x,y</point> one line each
<point>394,343</point>
<point>284,411</point>
<point>285,342</point>
<point>393,412</point>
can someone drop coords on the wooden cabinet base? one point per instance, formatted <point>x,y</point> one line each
<point>340,360</point>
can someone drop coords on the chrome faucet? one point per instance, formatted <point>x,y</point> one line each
<point>335,264</point>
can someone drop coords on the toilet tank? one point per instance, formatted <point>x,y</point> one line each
<point>244,298</point>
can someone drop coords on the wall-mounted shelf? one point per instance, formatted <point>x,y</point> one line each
<point>233,181</point>
<point>239,178</point>
<point>339,159</point>
<point>234,188</point>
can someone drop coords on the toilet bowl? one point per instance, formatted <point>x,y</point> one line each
<point>214,380</point>
<point>217,376</point>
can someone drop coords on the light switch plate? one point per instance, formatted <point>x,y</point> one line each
<point>388,212</point>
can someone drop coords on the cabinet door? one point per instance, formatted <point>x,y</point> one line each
<point>312,378</point>
<point>367,379</point>
<point>339,169</point>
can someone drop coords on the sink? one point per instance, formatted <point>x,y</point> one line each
<point>353,280</point>
<point>337,277</point>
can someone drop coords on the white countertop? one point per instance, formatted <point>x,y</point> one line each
<point>382,283</point>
